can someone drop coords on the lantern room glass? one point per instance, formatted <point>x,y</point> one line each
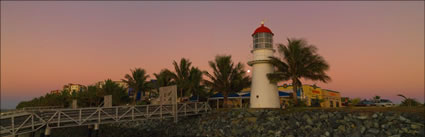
<point>263,40</point>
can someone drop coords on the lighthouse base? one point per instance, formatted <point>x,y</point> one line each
<point>264,94</point>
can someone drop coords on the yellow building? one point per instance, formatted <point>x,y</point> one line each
<point>74,87</point>
<point>313,95</point>
<point>55,91</point>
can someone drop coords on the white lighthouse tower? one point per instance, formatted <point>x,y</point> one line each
<point>263,93</point>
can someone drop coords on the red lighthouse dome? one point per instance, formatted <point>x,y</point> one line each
<point>262,28</point>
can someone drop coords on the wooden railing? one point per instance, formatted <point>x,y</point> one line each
<point>30,121</point>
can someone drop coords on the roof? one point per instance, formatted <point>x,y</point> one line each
<point>246,95</point>
<point>331,90</point>
<point>261,29</point>
<point>219,95</point>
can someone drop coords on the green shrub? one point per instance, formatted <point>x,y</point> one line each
<point>410,102</point>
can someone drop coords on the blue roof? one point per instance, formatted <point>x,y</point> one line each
<point>283,94</point>
<point>219,95</point>
<point>193,98</point>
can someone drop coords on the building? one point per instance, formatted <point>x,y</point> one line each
<point>120,83</point>
<point>57,91</point>
<point>263,93</point>
<point>74,87</point>
<point>311,94</point>
<point>315,96</point>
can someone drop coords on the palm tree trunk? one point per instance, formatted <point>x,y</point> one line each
<point>134,97</point>
<point>181,95</point>
<point>225,99</point>
<point>294,94</point>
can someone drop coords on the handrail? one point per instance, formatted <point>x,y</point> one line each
<point>30,121</point>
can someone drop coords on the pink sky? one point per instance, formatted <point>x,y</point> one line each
<point>373,48</point>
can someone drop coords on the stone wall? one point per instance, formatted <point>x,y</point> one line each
<point>277,123</point>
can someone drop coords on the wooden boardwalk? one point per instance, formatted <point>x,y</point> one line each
<point>32,120</point>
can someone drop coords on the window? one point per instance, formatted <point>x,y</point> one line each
<point>263,40</point>
<point>268,45</point>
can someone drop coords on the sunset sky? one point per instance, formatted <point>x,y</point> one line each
<point>373,48</point>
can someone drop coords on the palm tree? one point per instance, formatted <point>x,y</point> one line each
<point>195,79</point>
<point>405,99</point>
<point>408,101</point>
<point>119,96</point>
<point>181,76</point>
<point>164,78</point>
<point>376,98</point>
<point>92,95</point>
<point>137,81</point>
<point>299,60</point>
<point>227,77</point>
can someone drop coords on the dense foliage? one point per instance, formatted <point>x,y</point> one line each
<point>299,60</point>
<point>227,77</point>
<point>137,81</point>
<point>92,96</point>
<point>61,99</point>
<point>408,101</point>
<point>187,78</point>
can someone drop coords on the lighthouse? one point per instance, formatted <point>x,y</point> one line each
<point>264,94</point>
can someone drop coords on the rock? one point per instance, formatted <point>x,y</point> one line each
<point>273,123</point>
<point>375,115</point>
<point>404,119</point>
<point>309,121</point>
<point>369,135</point>
<point>235,122</point>
<point>403,130</point>
<point>277,133</point>
<point>341,128</point>
<point>323,116</point>
<point>290,135</point>
<point>363,117</point>
<point>362,129</point>
<point>355,134</point>
<point>376,125</point>
<point>415,125</point>
<point>252,119</point>
<point>373,130</point>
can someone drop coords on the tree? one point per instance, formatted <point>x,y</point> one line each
<point>408,101</point>
<point>195,78</point>
<point>50,99</point>
<point>355,101</point>
<point>164,78</point>
<point>227,77</point>
<point>182,74</point>
<point>376,98</point>
<point>137,81</point>
<point>118,93</point>
<point>94,95</point>
<point>299,60</point>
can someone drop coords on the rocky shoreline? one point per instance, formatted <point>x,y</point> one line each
<point>269,123</point>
